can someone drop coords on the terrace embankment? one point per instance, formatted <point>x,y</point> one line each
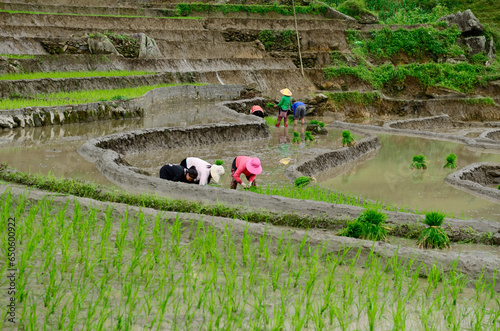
<point>44,116</point>
<point>479,178</point>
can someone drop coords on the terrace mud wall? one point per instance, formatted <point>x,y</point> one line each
<point>57,115</point>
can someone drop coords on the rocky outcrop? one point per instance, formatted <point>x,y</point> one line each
<point>147,47</point>
<point>100,44</point>
<point>472,33</point>
<point>466,22</point>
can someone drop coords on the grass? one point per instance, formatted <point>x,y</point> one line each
<point>74,74</point>
<point>97,268</point>
<point>369,225</point>
<point>79,97</point>
<point>17,56</point>
<point>89,15</point>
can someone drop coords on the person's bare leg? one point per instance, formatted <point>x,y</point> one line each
<point>302,121</point>
<point>295,122</point>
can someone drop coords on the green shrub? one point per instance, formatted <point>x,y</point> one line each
<point>418,162</point>
<point>348,139</point>
<point>433,236</point>
<point>450,161</point>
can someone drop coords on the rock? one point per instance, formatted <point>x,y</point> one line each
<point>315,128</point>
<point>367,18</point>
<point>466,22</point>
<point>490,49</point>
<point>260,45</point>
<point>496,238</point>
<point>100,44</point>
<point>251,86</point>
<point>436,92</point>
<point>476,45</point>
<point>148,48</point>
<point>332,13</point>
<point>331,86</point>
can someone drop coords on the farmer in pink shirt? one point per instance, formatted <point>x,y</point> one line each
<point>249,166</point>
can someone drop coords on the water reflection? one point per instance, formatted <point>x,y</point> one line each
<point>388,177</point>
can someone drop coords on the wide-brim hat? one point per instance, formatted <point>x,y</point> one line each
<point>286,91</point>
<point>216,171</point>
<point>253,166</point>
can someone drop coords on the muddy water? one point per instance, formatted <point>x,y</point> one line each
<point>275,154</point>
<point>54,149</point>
<point>388,177</point>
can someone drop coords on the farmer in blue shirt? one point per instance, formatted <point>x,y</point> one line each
<point>299,112</point>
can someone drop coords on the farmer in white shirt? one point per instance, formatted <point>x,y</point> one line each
<point>206,171</point>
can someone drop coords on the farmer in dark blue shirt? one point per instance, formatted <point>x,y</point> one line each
<point>178,173</point>
<point>299,112</point>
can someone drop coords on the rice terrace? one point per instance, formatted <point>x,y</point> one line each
<point>368,132</point>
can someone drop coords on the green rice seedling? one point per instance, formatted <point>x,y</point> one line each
<point>372,225</point>
<point>433,236</point>
<point>418,162</point>
<point>308,136</point>
<point>271,120</point>
<point>296,138</point>
<point>348,139</point>
<point>450,161</point>
<point>219,162</point>
<point>303,181</point>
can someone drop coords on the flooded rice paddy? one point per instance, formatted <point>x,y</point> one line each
<point>384,175</point>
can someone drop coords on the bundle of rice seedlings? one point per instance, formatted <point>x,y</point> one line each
<point>369,225</point>
<point>433,236</point>
<point>348,138</point>
<point>303,181</point>
<point>418,162</point>
<point>372,225</point>
<point>219,162</point>
<point>450,161</point>
<point>296,138</point>
<point>308,136</point>
<point>353,230</point>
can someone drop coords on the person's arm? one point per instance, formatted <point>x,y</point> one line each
<point>238,173</point>
<point>251,178</point>
<point>281,102</point>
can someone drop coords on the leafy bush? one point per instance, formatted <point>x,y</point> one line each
<point>418,162</point>
<point>348,139</point>
<point>450,161</point>
<point>433,236</point>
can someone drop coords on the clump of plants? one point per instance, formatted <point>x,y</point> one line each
<point>418,162</point>
<point>450,161</point>
<point>354,8</point>
<point>433,236</point>
<point>219,162</point>
<point>348,139</point>
<point>296,138</point>
<point>270,105</point>
<point>303,181</point>
<point>369,225</point>
<point>320,124</point>
<point>308,136</point>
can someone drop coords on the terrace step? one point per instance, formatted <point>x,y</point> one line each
<point>87,10</point>
<point>266,80</point>
<point>49,63</point>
